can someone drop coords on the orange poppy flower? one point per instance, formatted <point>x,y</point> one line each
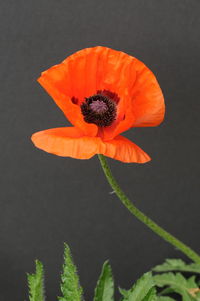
<point>102,92</point>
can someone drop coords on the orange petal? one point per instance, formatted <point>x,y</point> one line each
<point>69,142</point>
<point>66,142</point>
<point>54,81</point>
<point>148,106</point>
<point>122,149</point>
<point>97,68</point>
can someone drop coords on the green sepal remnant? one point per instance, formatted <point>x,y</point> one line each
<point>104,290</point>
<point>142,290</point>
<point>177,265</point>
<point>36,283</point>
<point>70,287</point>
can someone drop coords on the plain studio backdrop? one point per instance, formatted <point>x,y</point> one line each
<point>48,200</point>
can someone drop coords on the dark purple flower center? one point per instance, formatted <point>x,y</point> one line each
<point>99,109</point>
<point>98,106</point>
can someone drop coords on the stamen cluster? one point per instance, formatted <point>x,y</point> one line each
<point>99,109</point>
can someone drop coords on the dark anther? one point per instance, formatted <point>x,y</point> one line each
<point>99,109</point>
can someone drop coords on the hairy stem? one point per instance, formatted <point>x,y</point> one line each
<point>142,217</point>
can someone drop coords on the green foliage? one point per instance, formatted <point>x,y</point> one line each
<point>70,287</point>
<point>165,298</point>
<point>36,283</point>
<point>151,296</point>
<point>177,265</point>
<point>177,283</point>
<point>105,286</point>
<point>142,290</point>
<point>169,280</point>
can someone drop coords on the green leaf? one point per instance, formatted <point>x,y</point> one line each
<point>177,265</point>
<point>140,291</point>
<point>151,296</point>
<point>123,292</point>
<point>178,283</point>
<point>163,298</point>
<point>105,286</point>
<point>166,291</point>
<point>36,283</point>
<point>70,286</point>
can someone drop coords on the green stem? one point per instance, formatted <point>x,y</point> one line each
<point>142,217</point>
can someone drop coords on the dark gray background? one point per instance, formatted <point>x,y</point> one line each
<point>47,200</point>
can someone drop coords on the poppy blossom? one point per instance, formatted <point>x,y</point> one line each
<point>102,92</point>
